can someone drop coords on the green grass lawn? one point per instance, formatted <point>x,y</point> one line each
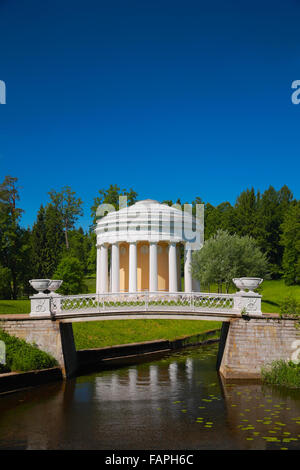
<point>90,283</point>
<point>14,306</point>
<point>109,333</point>
<point>274,292</point>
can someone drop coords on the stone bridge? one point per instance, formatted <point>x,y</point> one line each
<point>181,305</point>
<point>248,339</point>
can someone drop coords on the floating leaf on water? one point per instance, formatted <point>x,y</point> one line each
<point>271,439</point>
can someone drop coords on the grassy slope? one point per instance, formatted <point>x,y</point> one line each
<point>22,356</point>
<point>101,334</point>
<point>274,292</point>
<point>14,306</point>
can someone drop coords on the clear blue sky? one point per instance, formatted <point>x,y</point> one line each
<point>175,99</point>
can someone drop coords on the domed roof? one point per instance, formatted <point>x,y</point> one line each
<point>146,220</point>
<point>147,201</point>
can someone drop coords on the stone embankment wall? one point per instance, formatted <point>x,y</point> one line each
<point>255,343</point>
<point>245,346</point>
<point>51,336</point>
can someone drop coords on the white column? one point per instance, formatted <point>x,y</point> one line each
<point>103,268</point>
<point>115,268</point>
<point>98,271</point>
<point>132,267</point>
<point>172,267</point>
<point>178,268</point>
<point>110,271</point>
<point>188,282</point>
<point>153,279</point>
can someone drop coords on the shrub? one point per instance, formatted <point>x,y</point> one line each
<point>71,272</point>
<point>224,257</point>
<point>22,356</point>
<point>290,307</point>
<point>282,373</point>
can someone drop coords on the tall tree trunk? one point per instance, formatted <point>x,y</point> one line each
<point>66,237</point>
<point>14,289</point>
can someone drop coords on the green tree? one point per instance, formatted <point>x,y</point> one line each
<point>14,240</point>
<point>224,257</point>
<point>92,256</point>
<point>269,219</point>
<point>246,213</point>
<point>290,240</point>
<point>9,195</point>
<point>218,218</point>
<point>70,270</point>
<point>39,254</point>
<point>111,196</point>
<point>69,208</point>
<point>5,283</point>
<point>81,246</point>
<point>55,238</point>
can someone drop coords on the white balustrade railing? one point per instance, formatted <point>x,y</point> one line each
<point>141,301</point>
<point>246,301</point>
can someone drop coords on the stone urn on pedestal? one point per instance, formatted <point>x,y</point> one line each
<point>248,301</point>
<point>41,303</point>
<point>53,286</point>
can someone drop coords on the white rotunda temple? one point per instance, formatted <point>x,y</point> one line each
<point>139,248</point>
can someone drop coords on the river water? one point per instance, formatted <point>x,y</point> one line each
<point>176,402</point>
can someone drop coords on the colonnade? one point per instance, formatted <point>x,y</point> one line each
<point>102,267</point>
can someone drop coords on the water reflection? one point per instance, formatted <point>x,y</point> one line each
<point>178,402</point>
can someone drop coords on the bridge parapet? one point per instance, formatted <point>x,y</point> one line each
<point>55,305</point>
